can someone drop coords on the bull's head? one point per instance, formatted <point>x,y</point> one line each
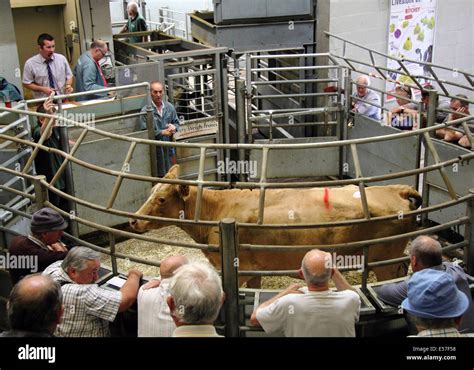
<point>165,200</point>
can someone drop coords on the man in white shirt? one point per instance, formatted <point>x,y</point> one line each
<point>154,319</point>
<point>314,311</point>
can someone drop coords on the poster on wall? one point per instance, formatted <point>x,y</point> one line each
<point>411,35</point>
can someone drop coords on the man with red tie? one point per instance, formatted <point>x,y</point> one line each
<point>47,71</point>
<point>88,73</point>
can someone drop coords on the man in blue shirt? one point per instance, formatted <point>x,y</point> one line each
<point>426,253</point>
<point>88,73</point>
<point>165,124</point>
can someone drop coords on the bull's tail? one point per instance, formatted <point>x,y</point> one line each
<point>409,193</point>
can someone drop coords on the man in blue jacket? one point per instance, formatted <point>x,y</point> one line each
<point>426,253</point>
<point>165,124</point>
<point>88,74</point>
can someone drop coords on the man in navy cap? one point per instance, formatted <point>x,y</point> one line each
<point>42,245</point>
<point>435,304</point>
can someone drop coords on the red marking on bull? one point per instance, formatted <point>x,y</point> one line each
<point>326,199</point>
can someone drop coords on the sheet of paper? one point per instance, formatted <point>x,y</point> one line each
<point>116,281</point>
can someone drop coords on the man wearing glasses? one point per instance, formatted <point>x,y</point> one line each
<point>88,73</point>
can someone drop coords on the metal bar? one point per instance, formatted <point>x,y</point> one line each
<point>365,271</point>
<point>275,125</point>
<point>41,193</point>
<point>263,178</point>
<point>282,82</point>
<point>363,195</point>
<point>240,107</point>
<point>247,225</point>
<point>229,255</point>
<point>42,139</point>
<point>248,146</point>
<point>202,162</point>
<point>407,258</point>
<point>356,244</point>
<point>129,235</point>
<point>122,116</point>
<point>69,96</point>
<point>251,185</point>
<point>12,125</point>
<point>297,113</point>
<point>469,235</point>
<point>442,172</point>
<point>113,258</point>
<point>291,56</point>
<point>73,151</point>
<point>299,68</point>
<point>285,96</point>
<point>118,182</point>
<point>17,192</point>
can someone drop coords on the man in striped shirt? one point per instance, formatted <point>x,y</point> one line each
<point>88,308</point>
<point>47,71</point>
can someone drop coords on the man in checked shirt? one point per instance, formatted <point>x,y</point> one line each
<point>88,308</point>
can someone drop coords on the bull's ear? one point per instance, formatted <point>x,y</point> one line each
<point>173,172</point>
<point>183,191</point>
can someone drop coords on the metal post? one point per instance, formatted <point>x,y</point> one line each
<point>423,154</point>
<point>229,261</point>
<point>240,105</point>
<point>365,271</point>
<point>72,208</point>
<point>151,135</point>
<point>41,192</point>
<point>113,258</point>
<point>469,235</point>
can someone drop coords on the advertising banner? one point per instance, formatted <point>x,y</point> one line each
<point>411,35</point>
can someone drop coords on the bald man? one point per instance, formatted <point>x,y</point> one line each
<point>369,97</point>
<point>154,318</point>
<point>35,307</point>
<point>315,310</point>
<point>88,73</point>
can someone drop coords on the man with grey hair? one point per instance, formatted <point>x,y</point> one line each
<point>313,311</point>
<point>135,23</point>
<point>195,299</point>
<point>366,106</point>
<point>426,253</point>
<point>88,307</point>
<point>154,319</point>
<point>88,73</point>
<point>34,308</point>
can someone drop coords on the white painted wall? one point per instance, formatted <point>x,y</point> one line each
<point>10,64</point>
<point>366,22</point>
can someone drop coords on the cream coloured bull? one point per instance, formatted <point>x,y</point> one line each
<point>287,206</point>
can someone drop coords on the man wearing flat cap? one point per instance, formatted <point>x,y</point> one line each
<point>435,304</point>
<point>42,243</point>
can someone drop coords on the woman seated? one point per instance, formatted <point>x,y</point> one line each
<point>404,115</point>
<point>460,109</point>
